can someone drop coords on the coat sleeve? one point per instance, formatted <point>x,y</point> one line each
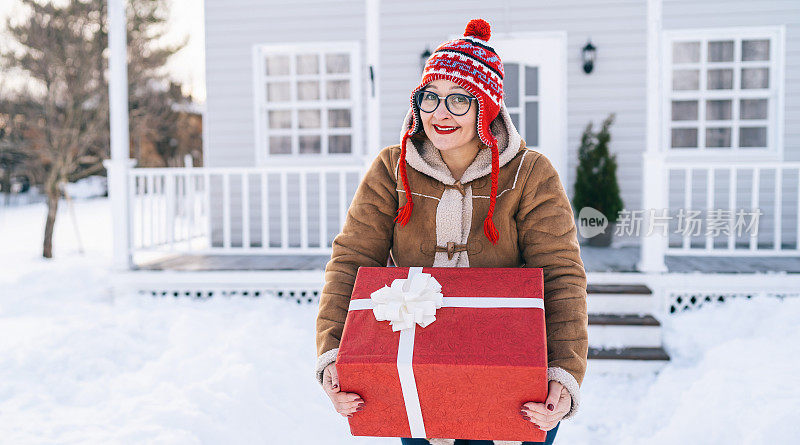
<point>548,239</point>
<point>365,240</point>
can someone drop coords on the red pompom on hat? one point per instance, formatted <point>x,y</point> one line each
<point>478,28</point>
<point>471,63</point>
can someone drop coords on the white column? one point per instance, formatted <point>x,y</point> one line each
<point>651,258</point>
<point>120,162</point>
<point>373,119</point>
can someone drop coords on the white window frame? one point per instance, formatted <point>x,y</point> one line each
<point>523,99</point>
<point>775,93</point>
<point>262,107</point>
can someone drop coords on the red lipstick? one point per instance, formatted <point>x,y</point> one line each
<point>445,129</point>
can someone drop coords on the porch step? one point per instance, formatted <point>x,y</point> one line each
<point>622,320</point>
<point>635,289</point>
<point>624,336</point>
<point>624,331</point>
<point>634,361</point>
<point>633,299</point>
<point>628,354</point>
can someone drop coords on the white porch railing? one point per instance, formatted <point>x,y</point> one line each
<point>240,210</point>
<point>299,209</point>
<point>771,188</point>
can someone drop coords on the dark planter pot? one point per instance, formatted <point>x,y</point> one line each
<point>603,239</point>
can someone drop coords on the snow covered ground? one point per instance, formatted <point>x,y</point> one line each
<point>80,366</point>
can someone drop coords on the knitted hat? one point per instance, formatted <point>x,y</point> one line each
<point>471,63</point>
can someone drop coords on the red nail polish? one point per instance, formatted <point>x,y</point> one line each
<point>335,386</point>
<point>550,407</point>
<point>360,407</point>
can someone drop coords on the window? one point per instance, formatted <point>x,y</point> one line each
<point>307,100</point>
<point>723,91</point>
<point>521,88</point>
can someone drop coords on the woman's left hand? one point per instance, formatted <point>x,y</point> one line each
<point>546,415</point>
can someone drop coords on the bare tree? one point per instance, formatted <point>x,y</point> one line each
<point>62,49</point>
<point>63,52</point>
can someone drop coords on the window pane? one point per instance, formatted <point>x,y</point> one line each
<point>515,120</point>
<point>531,80</point>
<point>685,80</point>
<point>720,79</point>
<point>718,137</point>
<point>532,123</point>
<point>307,64</point>
<point>755,50</point>
<point>511,84</point>
<point>340,143</point>
<point>685,52</point>
<point>337,63</point>
<point>280,119</point>
<point>684,137</point>
<point>308,90</point>
<point>308,118</point>
<point>277,65</point>
<point>310,144</point>
<point>280,145</point>
<point>684,110</point>
<point>717,110</point>
<point>755,78</point>
<point>339,118</point>
<point>753,137</point>
<point>278,92</point>
<point>338,89</point>
<point>753,109</point>
<point>720,51</point>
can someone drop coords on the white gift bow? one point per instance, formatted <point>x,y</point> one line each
<point>405,349</point>
<point>408,300</point>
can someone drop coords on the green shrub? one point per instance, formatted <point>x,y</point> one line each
<point>596,179</point>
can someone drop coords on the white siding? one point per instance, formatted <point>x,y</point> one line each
<point>683,14</point>
<point>232,29</point>
<point>617,84</point>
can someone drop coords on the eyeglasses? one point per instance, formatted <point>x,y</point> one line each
<point>458,104</point>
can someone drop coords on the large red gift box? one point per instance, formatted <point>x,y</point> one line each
<point>465,375</point>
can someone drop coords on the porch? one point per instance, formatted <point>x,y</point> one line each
<point>255,231</point>
<point>596,260</point>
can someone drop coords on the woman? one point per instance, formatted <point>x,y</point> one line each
<point>467,161</point>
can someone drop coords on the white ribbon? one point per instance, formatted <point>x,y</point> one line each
<point>414,300</point>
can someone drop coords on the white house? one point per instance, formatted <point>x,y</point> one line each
<point>302,94</point>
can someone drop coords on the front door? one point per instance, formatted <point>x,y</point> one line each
<point>535,88</point>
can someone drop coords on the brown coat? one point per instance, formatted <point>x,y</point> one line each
<point>532,214</point>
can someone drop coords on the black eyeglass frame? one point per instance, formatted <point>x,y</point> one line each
<point>420,93</point>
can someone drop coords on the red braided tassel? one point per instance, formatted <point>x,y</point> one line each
<point>404,212</point>
<point>490,231</point>
<point>488,224</point>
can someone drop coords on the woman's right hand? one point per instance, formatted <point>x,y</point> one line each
<point>345,403</point>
